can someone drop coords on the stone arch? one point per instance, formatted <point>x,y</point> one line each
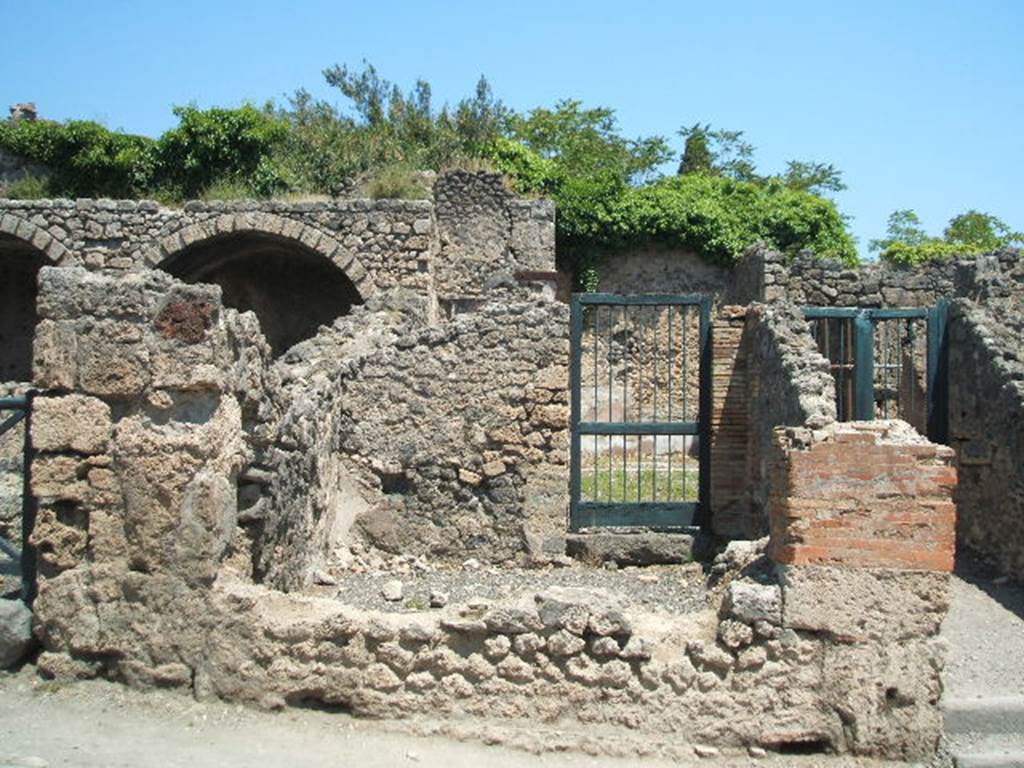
<point>17,228</point>
<point>258,222</point>
<point>292,276</point>
<point>20,261</point>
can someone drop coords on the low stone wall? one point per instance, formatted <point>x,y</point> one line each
<point>986,427</point>
<point>777,663</point>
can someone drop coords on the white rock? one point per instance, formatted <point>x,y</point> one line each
<point>392,590</point>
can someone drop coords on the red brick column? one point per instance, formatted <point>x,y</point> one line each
<point>730,500</point>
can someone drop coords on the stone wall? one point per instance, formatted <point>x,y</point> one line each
<point>474,237</point>
<point>766,275</point>
<point>777,662</point>
<point>488,239</point>
<point>12,488</point>
<point>657,269</point>
<point>788,384</point>
<point>139,437</point>
<point>419,439</point>
<point>445,441</point>
<point>986,427</point>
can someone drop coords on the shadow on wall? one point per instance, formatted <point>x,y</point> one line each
<point>19,268</point>
<point>292,289</point>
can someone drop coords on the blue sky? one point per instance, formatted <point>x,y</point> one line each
<point>921,104</point>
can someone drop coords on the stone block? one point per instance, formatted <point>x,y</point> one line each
<point>886,695</point>
<point>749,602</point>
<point>857,605</point>
<point>646,548</point>
<point>15,632</point>
<point>73,423</point>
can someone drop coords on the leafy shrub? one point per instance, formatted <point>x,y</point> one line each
<point>26,188</point>
<point>216,145</point>
<point>85,159</point>
<point>398,182</point>
<point>907,254</point>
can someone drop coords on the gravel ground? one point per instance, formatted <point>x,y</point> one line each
<point>672,588</point>
<point>985,631</point>
<point>97,724</point>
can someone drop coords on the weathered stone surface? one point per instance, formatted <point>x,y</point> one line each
<point>70,423</point>
<point>15,632</point>
<point>887,695</point>
<point>750,602</point>
<point>630,548</point>
<point>856,605</point>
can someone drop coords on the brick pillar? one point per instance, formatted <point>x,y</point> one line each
<point>730,503</point>
<point>862,494</point>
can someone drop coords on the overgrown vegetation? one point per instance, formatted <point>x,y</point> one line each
<point>973,232</point>
<point>610,189</point>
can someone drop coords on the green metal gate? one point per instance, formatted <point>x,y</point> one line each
<point>887,363</point>
<point>641,401</point>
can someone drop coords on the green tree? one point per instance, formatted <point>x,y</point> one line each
<point>222,145</point>
<point>697,157</point>
<point>904,227</point>
<point>717,153</point>
<point>981,230</point>
<point>817,178</point>
<point>587,142</point>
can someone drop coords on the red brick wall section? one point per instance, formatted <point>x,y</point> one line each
<point>862,494</point>
<point>730,503</point>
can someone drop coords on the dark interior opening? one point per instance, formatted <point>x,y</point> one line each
<point>19,270</point>
<point>292,289</point>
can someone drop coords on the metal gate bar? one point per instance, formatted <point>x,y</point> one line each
<point>656,361</point>
<point>880,339</point>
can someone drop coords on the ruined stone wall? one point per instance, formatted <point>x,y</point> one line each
<point>789,384</point>
<point>449,442</point>
<point>379,244</point>
<point>986,427</point>
<point>488,239</point>
<point>138,436</point>
<point>766,275</point>
<point>658,269</point>
<point>779,660</point>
